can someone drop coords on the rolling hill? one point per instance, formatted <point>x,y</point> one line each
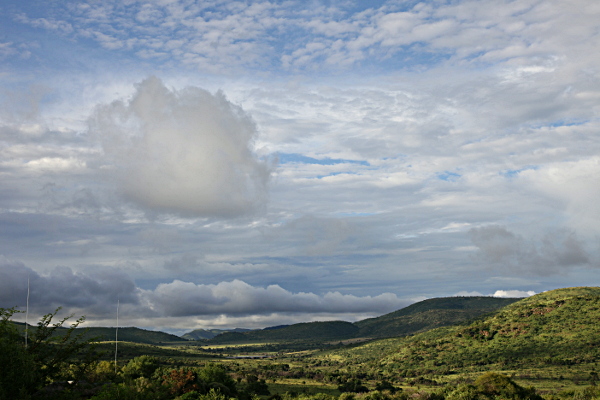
<point>205,334</point>
<point>102,334</point>
<point>418,317</point>
<point>557,329</point>
<point>308,331</point>
<point>429,314</point>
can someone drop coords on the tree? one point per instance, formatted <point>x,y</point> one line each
<point>142,366</point>
<point>217,377</point>
<point>17,366</point>
<point>25,370</point>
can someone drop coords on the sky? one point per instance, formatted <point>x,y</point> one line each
<point>220,164</point>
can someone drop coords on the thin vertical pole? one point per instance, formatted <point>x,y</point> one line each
<point>27,313</point>
<point>117,335</point>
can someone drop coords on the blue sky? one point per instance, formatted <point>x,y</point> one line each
<point>222,164</point>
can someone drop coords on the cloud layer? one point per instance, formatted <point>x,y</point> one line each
<point>426,149</point>
<point>95,292</point>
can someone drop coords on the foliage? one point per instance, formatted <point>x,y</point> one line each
<point>256,386</point>
<point>556,329</point>
<point>327,330</point>
<point>429,314</point>
<point>18,371</point>
<point>354,386</point>
<point>130,334</point>
<point>183,380</point>
<point>46,357</point>
<point>217,378</point>
<point>142,366</point>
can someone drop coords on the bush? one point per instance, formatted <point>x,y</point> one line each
<point>142,366</point>
<point>26,370</point>
<point>494,385</point>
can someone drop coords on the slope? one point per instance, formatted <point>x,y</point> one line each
<point>552,329</point>
<point>102,334</point>
<point>205,334</point>
<point>429,314</point>
<point>308,331</point>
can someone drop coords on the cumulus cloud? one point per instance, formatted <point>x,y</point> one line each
<point>501,247</point>
<point>185,152</point>
<point>95,293</point>
<point>513,293</point>
<point>499,293</point>
<point>237,298</point>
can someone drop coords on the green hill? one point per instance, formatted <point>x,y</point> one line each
<point>556,329</point>
<point>429,314</point>
<point>308,331</point>
<point>134,335</point>
<point>205,334</point>
<point>418,317</point>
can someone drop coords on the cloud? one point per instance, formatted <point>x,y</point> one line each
<point>554,253</point>
<point>239,298</point>
<point>574,183</point>
<point>96,290</point>
<point>499,293</point>
<point>185,152</point>
<point>314,236</point>
<point>513,293</point>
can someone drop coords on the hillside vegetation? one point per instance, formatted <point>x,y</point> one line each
<point>430,314</point>
<point>205,334</point>
<point>554,329</point>
<point>543,347</point>
<point>103,334</point>
<point>314,331</point>
<point>418,317</point>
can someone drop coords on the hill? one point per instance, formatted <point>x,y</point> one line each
<point>312,331</point>
<point>103,334</point>
<point>132,334</point>
<point>418,317</point>
<point>555,329</point>
<point>429,314</point>
<point>205,334</point>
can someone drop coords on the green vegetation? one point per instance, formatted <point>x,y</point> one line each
<point>557,328</point>
<point>309,331</point>
<point>542,347</point>
<point>205,334</point>
<point>131,334</point>
<point>28,367</point>
<point>418,317</point>
<point>429,314</point>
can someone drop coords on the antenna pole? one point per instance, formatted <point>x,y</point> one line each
<point>117,335</point>
<point>27,313</point>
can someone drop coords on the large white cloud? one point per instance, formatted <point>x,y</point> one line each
<point>238,298</point>
<point>186,152</point>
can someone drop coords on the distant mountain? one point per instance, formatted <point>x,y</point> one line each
<point>269,328</point>
<point>418,317</point>
<point>312,331</point>
<point>429,314</point>
<point>204,334</point>
<point>131,334</point>
<point>104,334</point>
